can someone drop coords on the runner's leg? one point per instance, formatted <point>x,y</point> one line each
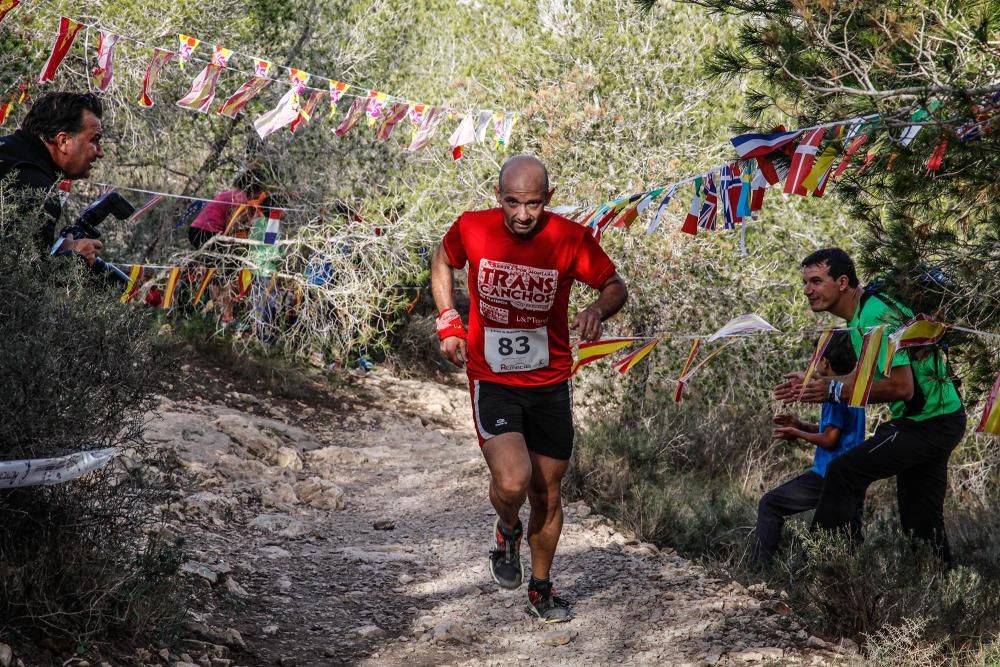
<point>545,524</point>
<point>510,475</point>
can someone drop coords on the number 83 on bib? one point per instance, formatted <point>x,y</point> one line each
<point>512,350</point>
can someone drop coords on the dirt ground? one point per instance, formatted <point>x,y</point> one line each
<point>352,528</point>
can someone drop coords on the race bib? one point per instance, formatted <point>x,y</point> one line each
<point>512,350</point>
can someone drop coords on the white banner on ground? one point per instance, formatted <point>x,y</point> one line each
<point>35,472</point>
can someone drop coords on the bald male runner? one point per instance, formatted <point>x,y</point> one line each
<point>522,262</point>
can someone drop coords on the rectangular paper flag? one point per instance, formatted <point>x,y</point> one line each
<point>695,346</point>
<point>990,422</point>
<point>273,227</point>
<point>867,365</point>
<point>134,282</point>
<point>397,113</point>
<point>202,92</point>
<point>160,58</point>
<point>464,134</point>
<point>758,145</point>
<point>588,353</point>
<point>802,162</point>
<point>101,76</point>
<point>64,40</point>
<point>337,89</point>
<point>307,110</point>
<point>354,114</point>
<point>422,135</point>
<point>821,344</point>
<point>205,281</point>
<point>623,366</point>
<point>171,287</point>
<point>280,116</point>
<point>921,330</point>
<point>691,221</point>
<point>248,90</point>
<point>150,203</point>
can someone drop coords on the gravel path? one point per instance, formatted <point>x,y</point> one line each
<point>354,531</point>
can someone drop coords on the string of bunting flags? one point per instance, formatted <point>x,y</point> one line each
<point>730,195</point>
<point>918,331</point>
<point>302,102</point>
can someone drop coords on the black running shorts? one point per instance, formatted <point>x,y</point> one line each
<point>543,415</point>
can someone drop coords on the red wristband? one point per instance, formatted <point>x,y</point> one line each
<point>449,323</point>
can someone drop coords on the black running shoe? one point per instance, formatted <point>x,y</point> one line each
<point>505,557</point>
<point>547,606</point>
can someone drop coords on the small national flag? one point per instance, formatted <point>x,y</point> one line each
<point>937,157</point>
<point>821,167</point>
<point>464,134</point>
<point>588,353</point>
<point>802,161</point>
<point>695,346</point>
<point>867,365</point>
<point>483,125</point>
<point>626,364</point>
<point>306,112</point>
<point>390,120</point>
<point>857,142</point>
<point>744,325</point>
<point>921,330</point>
<point>168,291</point>
<point>102,74</point>
<point>68,28</point>
<point>821,345</point>
<point>245,280</point>
<point>354,114</point>
<point>150,203</point>
<point>273,227</point>
<point>746,188</point>
<point>248,90</point>
<point>990,422</point>
<point>6,6</point>
<point>732,188</point>
<point>202,92</point>
<point>758,145</point>
<point>160,58</point>
<point>205,281</point>
<point>758,188</point>
<point>659,209</point>
<point>691,221</point>
<point>706,218</point>
<point>134,282</point>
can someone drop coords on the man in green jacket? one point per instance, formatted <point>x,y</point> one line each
<point>928,420</point>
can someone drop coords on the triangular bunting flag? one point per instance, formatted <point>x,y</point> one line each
<point>588,353</point>
<point>185,48</point>
<point>623,366</point>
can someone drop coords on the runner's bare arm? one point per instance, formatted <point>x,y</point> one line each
<point>613,295</point>
<point>443,289</point>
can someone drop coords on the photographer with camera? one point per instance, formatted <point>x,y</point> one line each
<point>60,138</point>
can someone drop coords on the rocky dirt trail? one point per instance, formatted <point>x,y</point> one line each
<point>354,531</point>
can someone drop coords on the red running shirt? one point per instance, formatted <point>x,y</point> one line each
<point>519,294</point>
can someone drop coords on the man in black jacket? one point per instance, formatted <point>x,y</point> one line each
<point>60,138</point>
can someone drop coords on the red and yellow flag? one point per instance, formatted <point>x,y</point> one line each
<point>821,344</point>
<point>921,330</point>
<point>990,423</point>
<point>337,89</point>
<point>306,110</point>
<point>64,40</point>
<point>6,6</point>
<point>102,74</point>
<point>185,48</point>
<point>134,282</point>
<point>205,281</point>
<point>695,346</point>
<point>160,58</point>
<point>248,90</point>
<point>623,366</point>
<point>864,374</point>
<point>245,280</point>
<point>588,353</point>
<point>168,291</point>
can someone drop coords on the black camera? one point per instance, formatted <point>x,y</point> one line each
<point>85,226</point>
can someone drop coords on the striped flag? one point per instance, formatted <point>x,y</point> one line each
<point>283,114</point>
<point>758,145</point>
<point>732,189</point>
<point>160,58</point>
<point>306,112</point>
<point>921,330</point>
<point>857,142</point>
<point>706,218</point>
<point>101,76</point>
<point>626,364</point>
<point>171,287</point>
<point>990,422</point>
<point>820,170</point>
<point>64,40</point>
<point>199,97</point>
<point>354,114</point>
<point>150,203</point>
<point>248,90</point>
<point>273,227</point>
<point>588,353</point>
<point>867,365</point>
<point>802,162</point>
<point>205,281</point>
<point>691,221</point>
<point>821,345</point>
<point>134,282</point>
<point>695,346</point>
<point>659,209</point>
<point>390,120</point>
